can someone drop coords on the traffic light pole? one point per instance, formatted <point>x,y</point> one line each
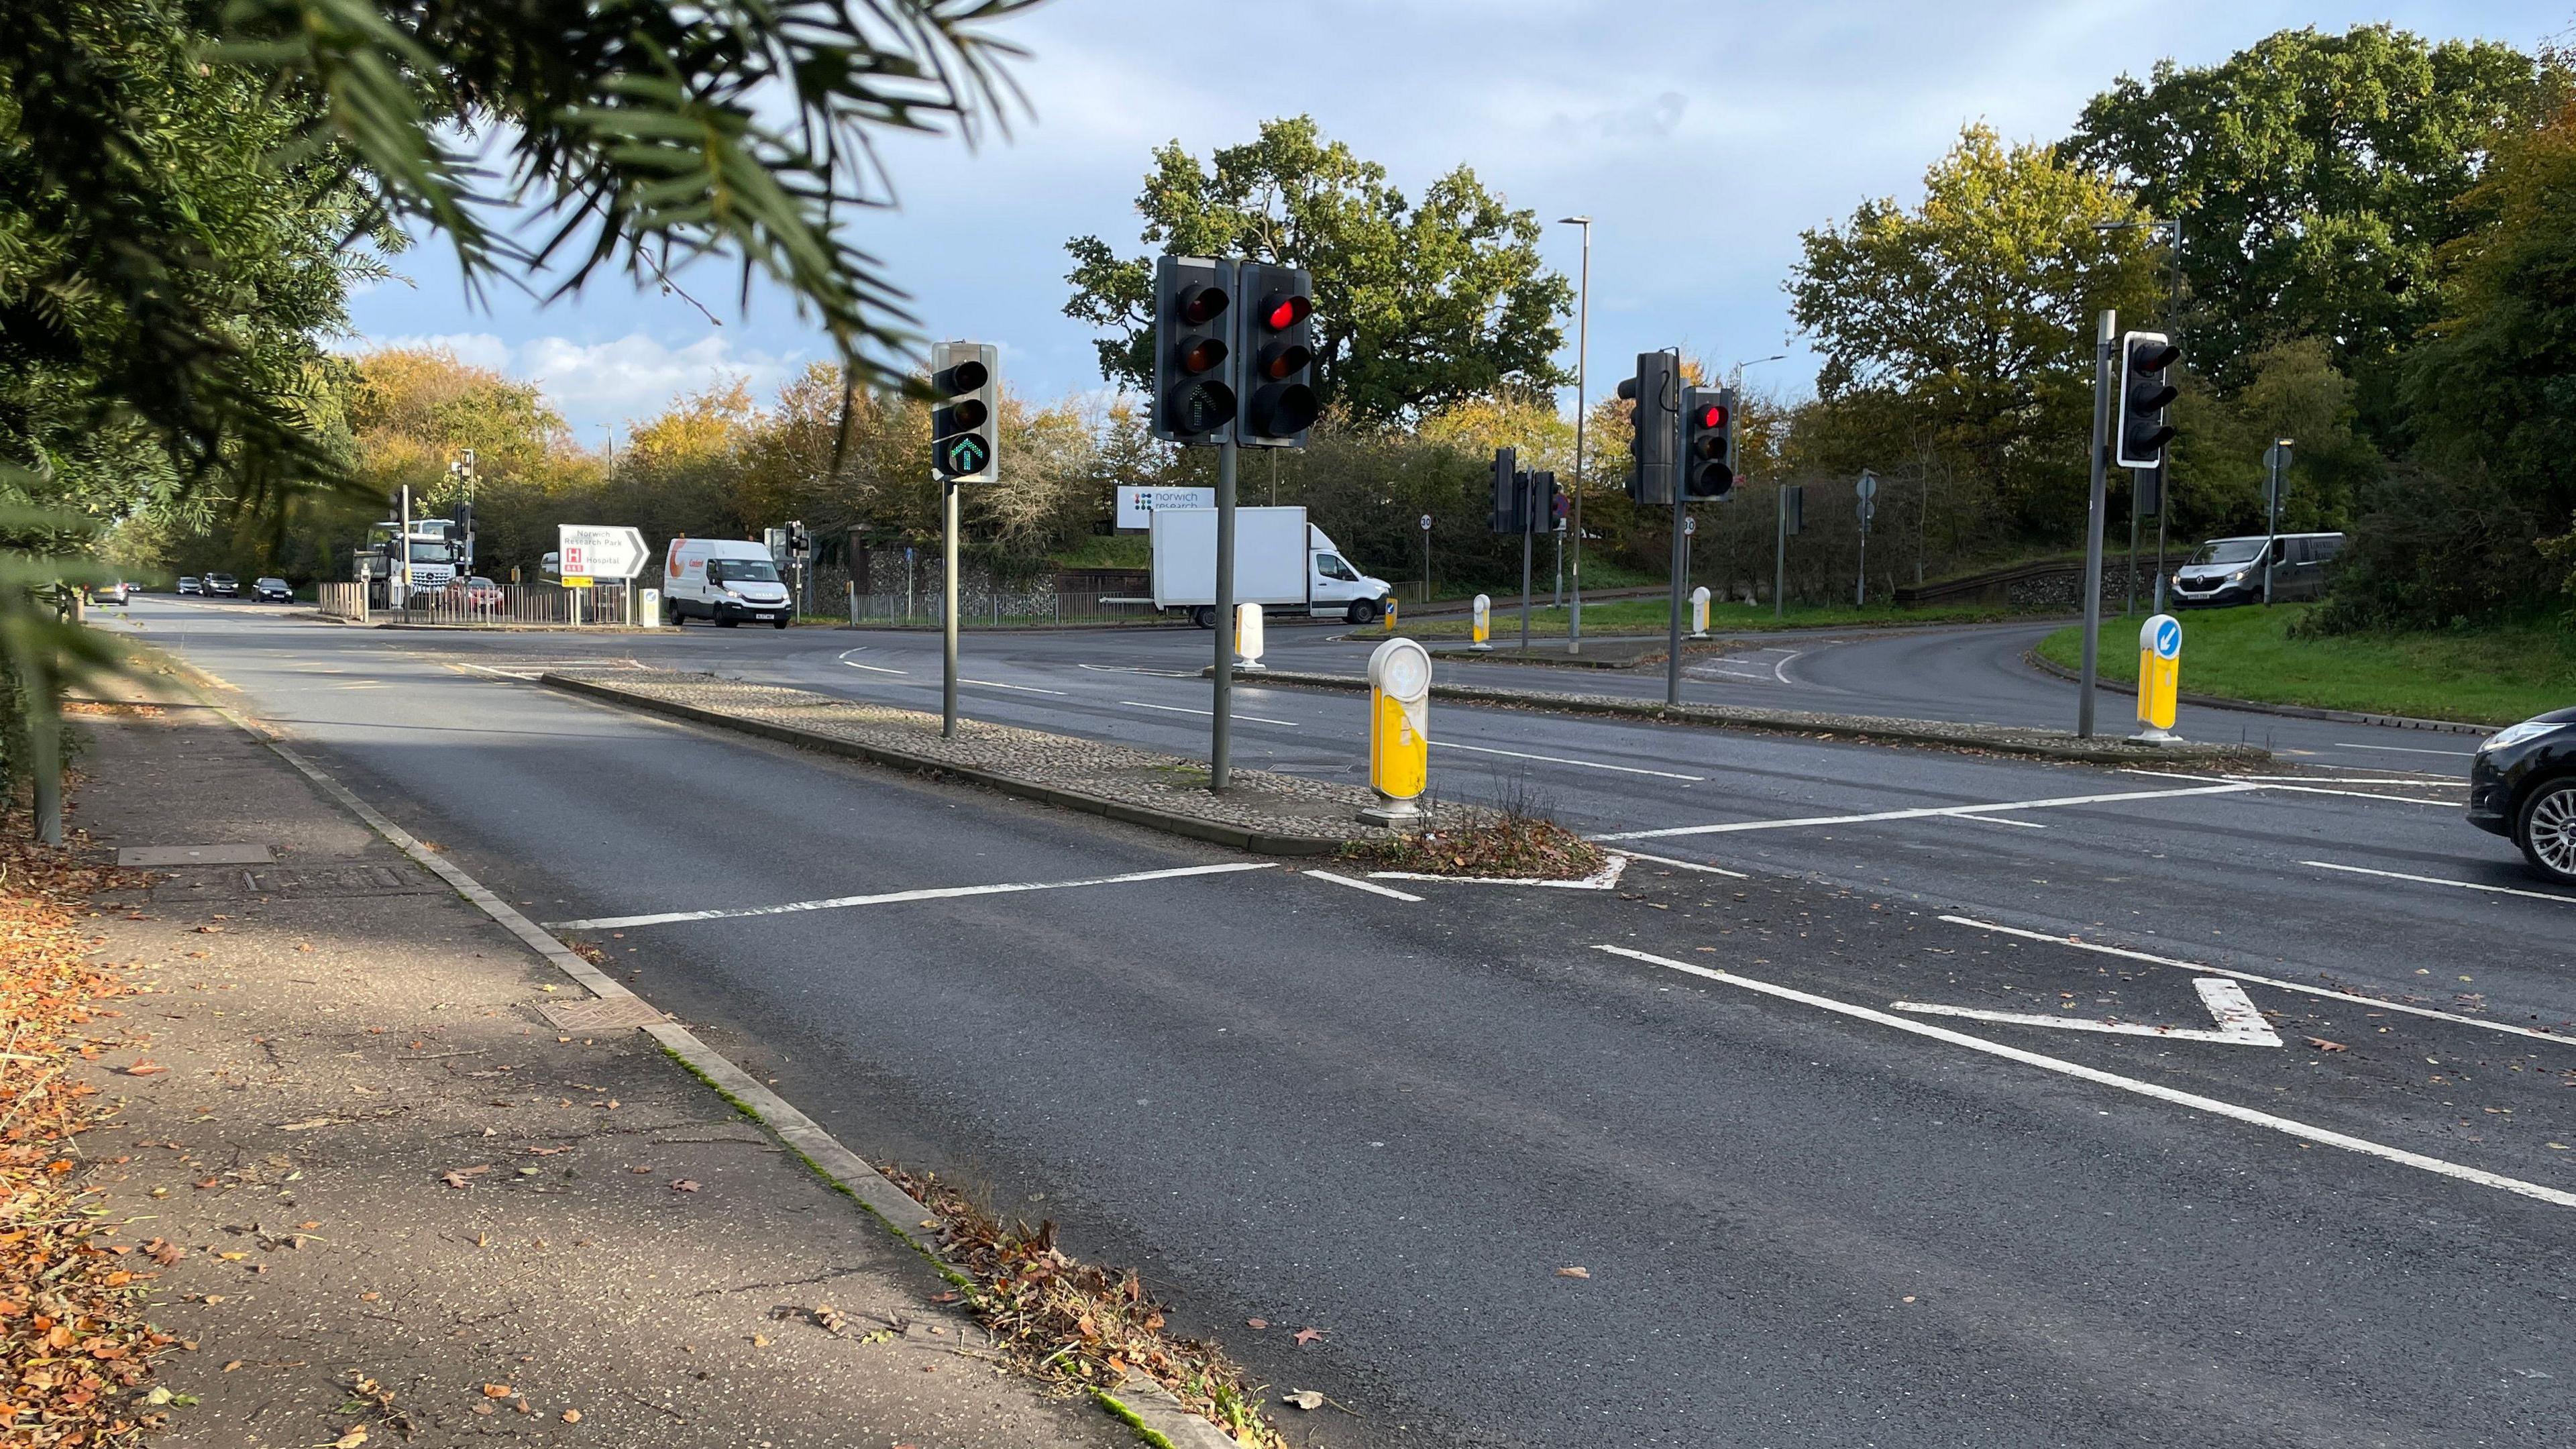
<point>2103,343</point>
<point>1780,551</point>
<point>1681,545</point>
<point>948,621</point>
<point>1528,523</point>
<point>1221,735</point>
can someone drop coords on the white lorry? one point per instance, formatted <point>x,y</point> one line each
<point>724,580</point>
<point>1280,562</point>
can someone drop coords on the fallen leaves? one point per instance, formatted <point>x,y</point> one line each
<point>1574,1272</point>
<point>1305,1336</point>
<point>685,1184</point>
<point>146,1068</point>
<point>1303,1399</point>
<point>463,1177</point>
<point>2323,1045</point>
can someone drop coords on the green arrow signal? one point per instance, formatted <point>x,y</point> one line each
<point>966,454</point>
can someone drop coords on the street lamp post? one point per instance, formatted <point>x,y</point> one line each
<point>1582,354</point>
<point>1780,559</point>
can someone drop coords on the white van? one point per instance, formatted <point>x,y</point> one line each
<point>1280,562</point>
<point>727,580</point>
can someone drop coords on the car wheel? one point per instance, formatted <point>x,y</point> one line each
<point>1204,616</point>
<point>671,608</point>
<point>778,624</point>
<point>726,621</point>
<point>2546,830</point>
<point>1361,611</point>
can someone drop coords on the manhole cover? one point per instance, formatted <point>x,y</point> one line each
<point>174,855</point>
<point>332,881</point>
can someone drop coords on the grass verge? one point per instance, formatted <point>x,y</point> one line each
<point>1076,1323</point>
<point>1650,616</point>
<point>1522,842</point>
<point>75,1351</point>
<point>2492,675</point>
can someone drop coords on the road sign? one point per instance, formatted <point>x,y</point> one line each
<point>601,551</point>
<point>1690,526</point>
<point>1867,487</point>
<point>2159,675</point>
<point>579,581</point>
<point>1426,523</point>
<point>1136,505</point>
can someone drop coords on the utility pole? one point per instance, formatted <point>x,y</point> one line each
<point>1582,356</point>
<point>2105,334</point>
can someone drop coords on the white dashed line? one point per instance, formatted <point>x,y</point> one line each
<point>934,893</point>
<point>2466,885</point>
<point>1561,760</point>
<point>997,684</point>
<point>2409,750</point>
<point>1207,713</point>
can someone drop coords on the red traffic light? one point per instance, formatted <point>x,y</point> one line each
<point>1201,306</point>
<point>1708,416</point>
<point>1283,310</point>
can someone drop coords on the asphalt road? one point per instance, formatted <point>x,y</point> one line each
<point>1808,1218</point>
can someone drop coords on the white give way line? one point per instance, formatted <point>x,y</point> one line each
<point>2239,1024</point>
<point>2301,1130</point>
<point>934,893</point>
<point>1929,812</point>
<point>2466,885</point>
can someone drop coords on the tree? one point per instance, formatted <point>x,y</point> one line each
<point>2314,176</point>
<point>1418,305</point>
<point>1972,316</point>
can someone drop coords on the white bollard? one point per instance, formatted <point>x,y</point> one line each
<point>1484,625</point>
<point>1699,612</point>
<point>1247,636</point>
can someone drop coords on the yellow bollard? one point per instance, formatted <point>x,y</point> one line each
<point>1399,675</point>
<point>1389,620</point>
<point>1484,625</point>
<point>2159,676</point>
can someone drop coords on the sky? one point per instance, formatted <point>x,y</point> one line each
<point>1701,137</point>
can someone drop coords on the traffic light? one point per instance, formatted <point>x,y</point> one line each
<point>2141,431</point>
<point>1548,500</point>
<point>1656,391</point>
<point>1509,494</point>
<point>1708,453</point>
<point>1277,356</point>
<point>963,413</point>
<point>1194,366</point>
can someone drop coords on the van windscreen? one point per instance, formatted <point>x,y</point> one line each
<point>741,571</point>
<point>2229,551</point>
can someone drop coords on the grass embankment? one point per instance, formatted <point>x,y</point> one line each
<point>75,1352</point>
<point>1650,616</point>
<point>2493,675</point>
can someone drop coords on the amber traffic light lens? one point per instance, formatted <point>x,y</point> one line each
<point>1202,355</point>
<point>1282,363</point>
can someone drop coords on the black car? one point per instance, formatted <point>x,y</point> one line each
<point>2523,786</point>
<point>271,591</point>
<point>224,585</point>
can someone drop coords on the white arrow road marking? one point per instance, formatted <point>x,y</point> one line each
<point>2239,1024</point>
<point>2259,980</point>
<point>2224,787</point>
<point>2466,885</point>
<point>935,893</point>
<point>2060,1065</point>
<point>1600,880</point>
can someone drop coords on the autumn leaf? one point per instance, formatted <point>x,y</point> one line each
<point>1304,1399</point>
<point>1306,1336</point>
<point>145,1068</point>
<point>1256,1323</point>
<point>498,1391</point>
<point>2323,1045</point>
<point>685,1184</point>
<point>1574,1272</point>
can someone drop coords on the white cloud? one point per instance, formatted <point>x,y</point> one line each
<point>617,381</point>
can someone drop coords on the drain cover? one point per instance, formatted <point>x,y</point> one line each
<point>599,1013</point>
<point>169,855</point>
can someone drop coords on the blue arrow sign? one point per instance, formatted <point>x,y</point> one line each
<point>2168,639</point>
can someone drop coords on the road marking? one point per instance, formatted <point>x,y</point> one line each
<point>934,893</point>
<point>2001,820</point>
<point>1208,713</point>
<point>2239,1024</point>
<point>1361,885</point>
<point>2261,980</point>
<point>2403,782</point>
<point>1780,671</point>
<point>1022,688</point>
<point>2466,885</point>
<point>2301,789</point>
<point>1685,864</point>
<point>2410,750</point>
<point>1136,669</point>
<point>2229,787</point>
<point>2096,1075</point>
<point>1561,760</point>
<point>873,668</point>
<point>1603,879</point>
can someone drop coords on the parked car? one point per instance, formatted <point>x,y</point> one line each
<point>271,591</point>
<point>723,579</point>
<point>2230,570</point>
<point>2522,786</point>
<point>481,592</point>
<point>223,584</point>
<point>119,592</point>
<point>189,585</point>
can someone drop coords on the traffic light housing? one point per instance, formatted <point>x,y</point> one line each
<point>1656,392</point>
<point>1708,444</point>
<point>965,412</point>
<point>1510,494</point>
<point>1276,356</point>
<point>2141,432</point>
<point>1547,501</point>
<point>1194,356</point>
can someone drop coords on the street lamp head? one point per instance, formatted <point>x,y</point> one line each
<point>1574,221</point>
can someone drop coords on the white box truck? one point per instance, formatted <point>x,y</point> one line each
<point>1280,562</point>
